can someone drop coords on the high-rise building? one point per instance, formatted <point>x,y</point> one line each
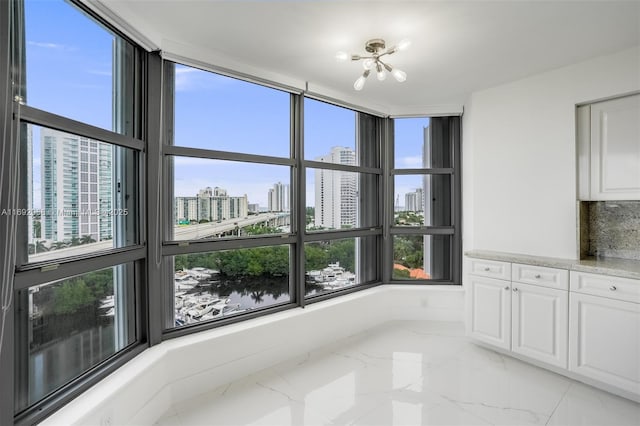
<point>336,191</point>
<point>413,201</point>
<point>279,198</point>
<point>77,187</point>
<point>210,205</point>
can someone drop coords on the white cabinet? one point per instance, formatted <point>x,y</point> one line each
<point>490,311</point>
<point>586,325</point>
<point>539,323</point>
<point>604,332</point>
<point>609,149</point>
<point>527,319</point>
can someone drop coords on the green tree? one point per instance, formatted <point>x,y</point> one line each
<point>401,274</point>
<point>260,230</point>
<point>316,256</point>
<point>58,245</point>
<point>71,296</point>
<point>310,213</point>
<point>87,239</point>
<point>37,228</point>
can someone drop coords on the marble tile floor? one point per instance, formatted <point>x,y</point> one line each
<point>405,373</point>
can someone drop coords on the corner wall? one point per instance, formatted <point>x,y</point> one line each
<point>519,161</point>
<point>182,368</point>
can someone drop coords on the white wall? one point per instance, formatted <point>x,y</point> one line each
<point>519,155</point>
<point>182,368</point>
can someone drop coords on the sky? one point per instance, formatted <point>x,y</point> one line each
<point>69,72</point>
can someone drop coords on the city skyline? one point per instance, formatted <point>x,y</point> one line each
<point>63,66</point>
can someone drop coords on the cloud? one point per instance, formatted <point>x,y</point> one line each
<point>46,45</point>
<point>411,162</point>
<point>190,79</point>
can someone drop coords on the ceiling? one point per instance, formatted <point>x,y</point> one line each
<point>458,47</point>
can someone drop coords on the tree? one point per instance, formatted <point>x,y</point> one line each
<point>87,239</point>
<point>37,229</point>
<point>40,246</point>
<point>310,214</point>
<point>71,296</point>
<point>260,230</point>
<point>58,245</point>
<point>74,241</point>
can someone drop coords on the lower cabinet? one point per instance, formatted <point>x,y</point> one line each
<point>490,311</point>
<point>539,317</point>
<point>604,337</point>
<point>527,319</point>
<point>586,324</point>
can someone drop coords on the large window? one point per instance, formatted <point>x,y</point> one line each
<point>229,163</point>
<point>342,203</point>
<point>76,287</point>
<point>425,218</point>
<point>146,199</point>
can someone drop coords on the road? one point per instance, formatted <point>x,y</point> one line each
<point>181,232</point>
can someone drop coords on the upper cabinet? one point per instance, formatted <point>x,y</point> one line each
<point>609,150</point>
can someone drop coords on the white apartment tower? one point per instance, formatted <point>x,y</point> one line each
<point>211,205</point>
<point>279,198</point>
<point>413,201</point>
<point>77,187</point>
<point>336,192</point>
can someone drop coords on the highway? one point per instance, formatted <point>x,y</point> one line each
<point>181,233</point>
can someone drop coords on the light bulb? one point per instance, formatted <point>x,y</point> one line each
<point>359,84</point>
<point>380,72</point>
<point>399,75</point>
<point>342,56</point>
<point>367,64</point>
<point>404,43</point>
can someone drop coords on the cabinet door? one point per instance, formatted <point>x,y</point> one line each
<point>539,323</point>
<point>490,311</point>
<point>615,149</point>
<point>604,340</point>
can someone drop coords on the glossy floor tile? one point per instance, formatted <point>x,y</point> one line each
<point>405,373</point>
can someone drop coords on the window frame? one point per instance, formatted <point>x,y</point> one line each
<point>454,230</point>
<point>171,247</point>
<point>375,148</point>
<point>132,88</point>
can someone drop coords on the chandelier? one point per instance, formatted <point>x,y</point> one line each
<point>373,61</point>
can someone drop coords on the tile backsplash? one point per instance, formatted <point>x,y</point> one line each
<point>610,229</point>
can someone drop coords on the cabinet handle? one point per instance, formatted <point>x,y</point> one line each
<point>515,289</point>
<point>538,276</point>
<point>506,288</point>
<point>487,269</point>
<point>613,288</point>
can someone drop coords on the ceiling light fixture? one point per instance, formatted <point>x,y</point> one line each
<point>373,62</point>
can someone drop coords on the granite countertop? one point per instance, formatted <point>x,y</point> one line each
<point>624,268</point>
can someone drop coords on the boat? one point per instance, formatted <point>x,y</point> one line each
<point>107,302</point>
<point>198,273</point>
<point>184,281</point>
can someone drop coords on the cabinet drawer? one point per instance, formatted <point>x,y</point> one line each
<point>489,268</point>
<point>617,288</point>
<point>540,275</point>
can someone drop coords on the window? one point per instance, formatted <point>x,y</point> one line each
<point>232,181</point>
<point>77,275</point>
<point>71,326</point>
<point>425,222</point>
<point>60,197</point>
<point>342,176</point>
<point>219,113</point>
<point>224,283</point>
<point>224,199</point>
